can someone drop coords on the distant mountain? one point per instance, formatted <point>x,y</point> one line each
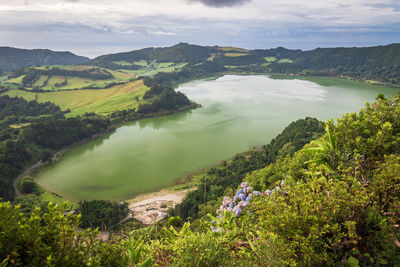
<point>378,63</point>
<point>181,52</point>
<point>381,63</point>
<point>15,58</point>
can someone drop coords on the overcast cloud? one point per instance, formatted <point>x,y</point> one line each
<point>94,27</point>
<point>221,3</point>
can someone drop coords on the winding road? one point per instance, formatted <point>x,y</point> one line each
<point>17,192</point>
<point>37,164</point>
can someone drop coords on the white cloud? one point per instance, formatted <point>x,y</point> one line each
<point>190,20</point>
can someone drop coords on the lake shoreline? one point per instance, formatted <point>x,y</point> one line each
<point>182,180</point>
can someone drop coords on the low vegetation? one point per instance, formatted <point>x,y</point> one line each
<point>332,201</point>
<point>101,214</point>
<point>220,180</point>
<point>336,202</point>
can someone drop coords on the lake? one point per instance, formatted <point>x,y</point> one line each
<point>237,112</point>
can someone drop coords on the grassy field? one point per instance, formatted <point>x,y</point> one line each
<point>40,82</point>
<point>16,80</point>
<point>285,60</point>
<point>270,59</point>
<point>101,101</point>
<point>122,63</point>
<point>230,48</point>
<point>211,58</point>
<point>59,83</point>
<point>141,62</point>
<point>235,54</point>
<point>155,68</point>
<point>74,82</point>
<point>51,197</point>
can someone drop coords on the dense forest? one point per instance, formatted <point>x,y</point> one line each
<point>31,143</point>
<point>101,213</point>
<point>18,110</point>
<point>367,63</point>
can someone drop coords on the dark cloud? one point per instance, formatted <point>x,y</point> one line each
<point>221,3</point>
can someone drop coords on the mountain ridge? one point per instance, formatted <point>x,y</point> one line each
<point>12,58</point>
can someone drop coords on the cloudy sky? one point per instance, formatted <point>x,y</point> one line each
<point>95,27</point>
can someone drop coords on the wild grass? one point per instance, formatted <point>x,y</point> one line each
<point>101,101</point>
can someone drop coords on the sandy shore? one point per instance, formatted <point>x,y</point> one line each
<point>152,207</point>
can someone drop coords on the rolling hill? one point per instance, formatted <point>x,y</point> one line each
<point>14,58</point>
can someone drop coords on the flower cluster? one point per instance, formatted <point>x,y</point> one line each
<point>217,229</point>
<point>276,189</point>
<point>242,198</point>
<point>240,201</point>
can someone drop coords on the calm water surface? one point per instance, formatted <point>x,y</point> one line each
<point>237,112</point>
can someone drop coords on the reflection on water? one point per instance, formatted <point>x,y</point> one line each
<point>157,123</point>
<point>237,112</point>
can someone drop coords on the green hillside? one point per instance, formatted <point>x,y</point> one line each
<point>379,63</point>
<point>15,58</point>
<point>334,202</point>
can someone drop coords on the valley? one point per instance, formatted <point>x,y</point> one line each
<point>151,154</point>
<point>150,143</point>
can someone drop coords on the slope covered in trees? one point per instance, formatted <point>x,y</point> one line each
<point>19,147</point>
<point>16,110</point>
<point>50,131</point>
<point>366,63</point>
<point>181,52</point>
<point>378,63</point>
<point>335,202</point>
<point>15,58</point>
<point>217,179</point>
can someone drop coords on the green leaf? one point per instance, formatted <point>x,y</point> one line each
<point>352,262</point>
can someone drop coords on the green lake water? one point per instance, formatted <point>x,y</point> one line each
<point>237,112</point>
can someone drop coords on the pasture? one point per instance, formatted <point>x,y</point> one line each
<point>101,101</point>
<point>235,54</point>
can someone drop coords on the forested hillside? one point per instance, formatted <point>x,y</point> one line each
<point>18,110</point>
<point>181,52</point>
<point>317,194</point>
<point>218,178</point>
<point>334,202</point>
<point>15,58</point>
<point>49,130</point>
<point>380,63</point>
<point>377,64</point>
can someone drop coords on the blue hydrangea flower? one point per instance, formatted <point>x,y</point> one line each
<point>238,212</point>
<point>257,193</point>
